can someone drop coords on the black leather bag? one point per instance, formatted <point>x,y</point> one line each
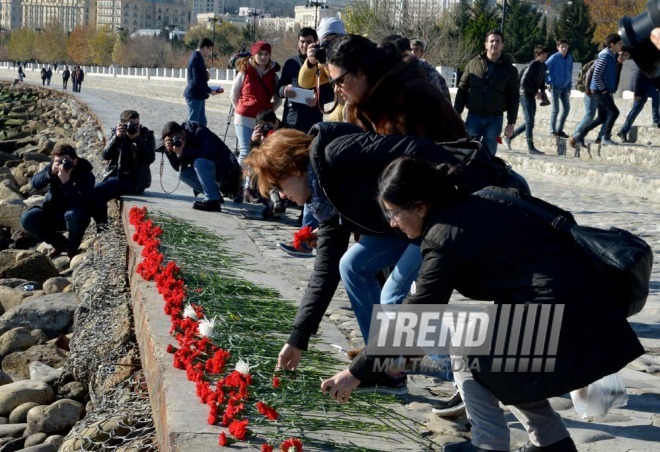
<point>623,259</point>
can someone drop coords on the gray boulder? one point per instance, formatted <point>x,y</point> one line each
<point>9,190</point>
<point>74,390</point>
<point>19,414</point>
<point>56,284</point>
<point>16,339</point>
<point>19,392</point>
<point>40,448</point>
<point>35,439</point>
<point>12,282</point>
<point>55,440</point>
<point>53,314</point>
<point>12,430</point>
<point>35,266</point>
<point>10,298</point>
<point>17,365</point>
<point>43,372</point>
<point>58,417</point>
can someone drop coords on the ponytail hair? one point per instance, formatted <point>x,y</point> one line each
<point>409,180</point>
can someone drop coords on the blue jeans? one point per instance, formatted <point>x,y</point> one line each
<point>563,95</point>
<point>485,129</point>
<point>45,224</point>
<point>360,264</point>
<point>589,113</point>
<point>201,177</point>
<point>528,104</point>
<point>104,191</point>
<point>308,218</point>
<point>638,106</point>
<point>607,114</point>
<point>243,135</point>
<point>197,110</point>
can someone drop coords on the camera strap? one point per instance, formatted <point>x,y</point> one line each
<point>160,173</point>
<point>318,94</point>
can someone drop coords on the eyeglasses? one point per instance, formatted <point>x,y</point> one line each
<point>339,81</point>
<point>392,214</point>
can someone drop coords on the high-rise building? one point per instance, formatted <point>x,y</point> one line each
<point>69,14</point>
<point>10,14</point>
<point>132,15</point>
<point>206,6</point>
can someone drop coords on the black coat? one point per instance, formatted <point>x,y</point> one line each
<point>348,163</point>
<point>493,250</point>
<point>132,157</point>
<point>76,193</point>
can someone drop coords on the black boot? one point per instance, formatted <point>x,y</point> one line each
<point>207,206</point>
<point>564,445</point>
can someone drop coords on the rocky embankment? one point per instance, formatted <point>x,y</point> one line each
<point>69,364</point>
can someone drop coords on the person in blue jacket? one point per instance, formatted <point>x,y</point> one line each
<point>198,90</point>
<point>560,75</point>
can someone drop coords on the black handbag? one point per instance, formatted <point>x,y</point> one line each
<point>622,258</point>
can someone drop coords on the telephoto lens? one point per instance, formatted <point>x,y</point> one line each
<point>636,35</point>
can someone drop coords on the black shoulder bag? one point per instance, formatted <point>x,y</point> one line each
<point>622,258</point>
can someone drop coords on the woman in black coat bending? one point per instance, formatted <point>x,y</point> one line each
<point>490,249</point>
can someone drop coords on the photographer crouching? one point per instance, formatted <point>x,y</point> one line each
<point>68,203</point>
<point>202,159</point>
<point>131,148</point>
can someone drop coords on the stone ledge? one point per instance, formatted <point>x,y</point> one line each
<point>644,182</point>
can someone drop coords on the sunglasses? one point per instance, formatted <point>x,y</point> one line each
<point>339,81</point>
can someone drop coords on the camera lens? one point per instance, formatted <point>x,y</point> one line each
<point>67,164</point>
<point>131,128</point>
<point>636,34</point>
<point>320,55</point>
<point>177,141</point>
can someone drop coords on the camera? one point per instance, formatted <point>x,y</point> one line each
<point>67,164</point>
<point>131,128</point>
<point>321,53</point>
<point>636,33</point>
<point>177,141</point>
<point>266,130</point>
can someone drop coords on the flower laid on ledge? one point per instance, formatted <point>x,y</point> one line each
<point>196,284</point>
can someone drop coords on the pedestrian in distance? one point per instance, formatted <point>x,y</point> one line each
<point>197,87</point>
<point>66,74</point>
<point>643,88</point>
<point>532,87</point>
<point>49,75</point>
<point>488,88</point>
<point>560,81</point>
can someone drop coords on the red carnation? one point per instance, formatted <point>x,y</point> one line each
<point>276,382</point>
<point>239,429</point>
<point>266,448</point>
<point>292,445</point>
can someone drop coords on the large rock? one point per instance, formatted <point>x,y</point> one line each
<point>34,266</point>
<point>51,313</point>
<point>12,430</point>
<point>9,190</point>
<point>19,414</point>
<point>56,284</point>
<point>15,340</point>
<point>10,298</point>
<point>19,392</point>
<point>11,211</point>
<point>17,365</point>
<point>58,417</point>
<point>45,447</point>
<point>43,372</point>
<point>35,439</point>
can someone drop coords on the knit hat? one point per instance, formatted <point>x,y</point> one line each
<point>259,46</point>
<point>329,26</point>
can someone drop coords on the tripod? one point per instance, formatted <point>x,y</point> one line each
<point>230,115</point>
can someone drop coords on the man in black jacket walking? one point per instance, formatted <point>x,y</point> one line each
<point>532,87</point>
<point>67,206</point>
